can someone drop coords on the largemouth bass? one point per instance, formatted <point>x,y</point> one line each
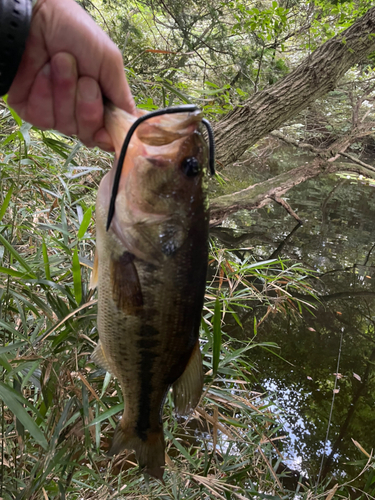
<point>150,270</point>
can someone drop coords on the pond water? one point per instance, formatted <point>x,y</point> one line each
<point>326,368</point>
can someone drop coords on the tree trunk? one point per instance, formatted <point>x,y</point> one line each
<point>318,74</point>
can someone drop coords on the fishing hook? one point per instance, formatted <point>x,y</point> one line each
<point>185,108</point>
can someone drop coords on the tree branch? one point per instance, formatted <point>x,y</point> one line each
<point>321,152</point>
<point>259,195</point>
<point>358,162</point>
<point>314,77</point>
<point>287,207</point>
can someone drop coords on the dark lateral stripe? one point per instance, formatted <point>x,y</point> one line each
<point>147,345</point>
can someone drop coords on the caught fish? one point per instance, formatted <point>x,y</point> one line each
<point>150,271</point>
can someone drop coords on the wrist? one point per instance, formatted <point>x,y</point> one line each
<point>15,18</point>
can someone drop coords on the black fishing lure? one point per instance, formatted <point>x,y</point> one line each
<point>166,111</point>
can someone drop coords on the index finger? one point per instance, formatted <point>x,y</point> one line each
<point>114,84</point>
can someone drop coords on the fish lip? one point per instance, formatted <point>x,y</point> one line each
<point>157,130</point>
<point>181,124</point>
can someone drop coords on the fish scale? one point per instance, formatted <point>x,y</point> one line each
<point>150,270</point>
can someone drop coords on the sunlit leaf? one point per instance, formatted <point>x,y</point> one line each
<point>85,223</point>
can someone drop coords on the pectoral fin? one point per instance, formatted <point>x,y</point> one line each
<point>99,358</point>
<point>187,389</point>
<point>126,286</point>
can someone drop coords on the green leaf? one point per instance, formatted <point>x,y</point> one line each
<point>16,255</point>
<point>85,223</point>
<point>30,372</point>
<point>16,118</point>
<point>15,274</point>
<point>10,328</point>
<point>217,337</point>
<point>185,98</point>
<point>24,131</point>
<point>61,148</point>
<point>72,155</point>
<point>6,201</point>
<point>46,262</point>
<point>182,450</point>
<point>77,277</point>
<point>13,403</point>
<point>106,382</point>
<point>5,363</point>
<point>12,347</point>
<point>107,414</point>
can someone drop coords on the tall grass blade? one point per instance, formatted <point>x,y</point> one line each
<point>14,274</point>
<point>216,336</point>
<point>14,405</point>
<point>16,255</point>
<point>108,413</point>
<point>85,223</point>
<point>76,269</point>
<point>12,347</point>
<point>46,262</point>
<point>6,201</point>
<point>15,116</point>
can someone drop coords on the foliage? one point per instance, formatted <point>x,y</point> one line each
<point>58,411</point>
<point>215,53</point>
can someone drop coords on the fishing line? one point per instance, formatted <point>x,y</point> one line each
<point>330,413</point>
<point>185,108</point>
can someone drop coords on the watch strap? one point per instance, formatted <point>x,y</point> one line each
<point>15,18</point>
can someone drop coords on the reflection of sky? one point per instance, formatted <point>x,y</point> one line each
<point>337,240</point>
<point>285,409</point>
<point>337,229</point>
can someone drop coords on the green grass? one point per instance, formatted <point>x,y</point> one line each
<point>58,410</point>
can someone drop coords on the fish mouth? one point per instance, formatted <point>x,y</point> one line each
<point>165,129</point>
<point>155,131</point>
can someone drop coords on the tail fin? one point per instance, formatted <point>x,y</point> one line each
<point>149,452</point>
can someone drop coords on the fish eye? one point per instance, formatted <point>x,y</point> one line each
<point>190,166</point>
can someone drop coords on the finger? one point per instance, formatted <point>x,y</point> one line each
<point>89,110</point>
<point>39,109</point>
<point>64,81</point>
<point>113,81</point>
<point>103,140</point>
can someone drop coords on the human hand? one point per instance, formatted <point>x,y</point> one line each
<point>69,64</point>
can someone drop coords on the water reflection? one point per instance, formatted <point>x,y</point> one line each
<point>337,240</point>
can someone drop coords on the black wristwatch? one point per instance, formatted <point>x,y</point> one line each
<point>15,18</point>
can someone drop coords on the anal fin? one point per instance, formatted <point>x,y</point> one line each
<point>99,358</point>
<point>187,389</point>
